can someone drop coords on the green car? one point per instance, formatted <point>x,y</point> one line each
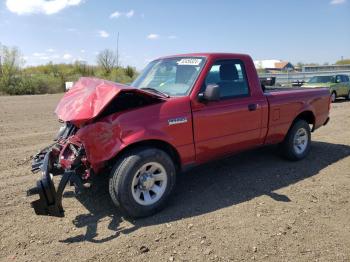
<point>339,85</point>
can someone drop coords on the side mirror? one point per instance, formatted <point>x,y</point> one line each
<point>211,93</point>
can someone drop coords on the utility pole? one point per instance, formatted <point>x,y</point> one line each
<point>118,50</point>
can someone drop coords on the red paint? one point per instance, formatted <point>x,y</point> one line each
<point>212,129</point>
<point>88,98</point>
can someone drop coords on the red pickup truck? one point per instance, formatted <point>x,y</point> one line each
<point>182,111</point>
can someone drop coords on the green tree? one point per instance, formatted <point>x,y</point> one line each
<point>51,78</point>
<point>343,62</point>
<point>107,60</point>
<point>10,64</point>
<point>84,69</point>
<point>130,72</point>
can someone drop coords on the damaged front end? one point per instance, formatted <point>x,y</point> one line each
<point>66,158</point>
<point>89,138</point>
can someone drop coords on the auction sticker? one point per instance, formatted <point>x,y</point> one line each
<point>189,61</point>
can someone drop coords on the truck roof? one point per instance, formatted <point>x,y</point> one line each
<point>216,55</point>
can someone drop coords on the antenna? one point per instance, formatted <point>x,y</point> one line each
<point>118,50</point>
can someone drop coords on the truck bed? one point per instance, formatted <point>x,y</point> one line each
<point>286,103</point>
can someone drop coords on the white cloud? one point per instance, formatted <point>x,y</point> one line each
<point>44,58</point>
<point>118,14</point>
<point>72,30</point>
<point>130,14</point>
<point>37,54</point>
<point>153,36</point>
<point>21,7</point>
<point>172,37</point>
<point>103,34</point>
<point>82,51</point>
<point>337,2</point>
<point>67,56</point>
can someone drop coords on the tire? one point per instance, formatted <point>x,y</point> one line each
<point>142,181</point>
<point>297,143</point>
<point>333,97</point>
<point>348,96</point>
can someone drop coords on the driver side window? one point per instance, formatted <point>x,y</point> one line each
<point>345,78</point>
<point>230,76</point>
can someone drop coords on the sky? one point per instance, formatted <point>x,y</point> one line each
<point>69,30</point>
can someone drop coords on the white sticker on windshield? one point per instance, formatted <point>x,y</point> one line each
<point>189,61</point>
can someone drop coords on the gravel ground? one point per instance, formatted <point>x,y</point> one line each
<point>252,206</point>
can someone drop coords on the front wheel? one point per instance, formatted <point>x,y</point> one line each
<point>297,142</point>
<point>142,181</point>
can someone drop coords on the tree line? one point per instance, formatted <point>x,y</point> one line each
<point>15,79</point>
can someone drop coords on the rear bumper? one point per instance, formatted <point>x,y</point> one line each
<point>50,199</point>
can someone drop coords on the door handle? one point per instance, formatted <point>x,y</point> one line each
<point>252,107</point>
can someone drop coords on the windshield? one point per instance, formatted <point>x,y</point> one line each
<point>173,76</point>
<point>322,79</point>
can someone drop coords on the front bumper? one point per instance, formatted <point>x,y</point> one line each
<point>50,199</point>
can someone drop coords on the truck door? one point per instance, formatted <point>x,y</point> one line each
<point>234,122</point>
<point>340,85</point>
<point>345,85</point>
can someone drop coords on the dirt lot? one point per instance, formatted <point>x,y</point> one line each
<point>253,206</point>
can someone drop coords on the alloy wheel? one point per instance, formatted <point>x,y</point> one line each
<point>149,183</point>
<point>300,141</point>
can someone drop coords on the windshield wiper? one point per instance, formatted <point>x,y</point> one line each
<point>155,91</point>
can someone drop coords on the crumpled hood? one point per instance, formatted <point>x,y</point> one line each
<point>88,97</point>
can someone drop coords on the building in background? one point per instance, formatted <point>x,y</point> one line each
<point>274,65</point>
<point>323,68</point>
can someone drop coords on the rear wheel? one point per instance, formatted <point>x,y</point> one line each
<point>297,142</point>
<point>142,181</point>
<point>333,97</point>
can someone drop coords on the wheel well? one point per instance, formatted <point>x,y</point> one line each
<point>308,116</point>
<point>159,144</point>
